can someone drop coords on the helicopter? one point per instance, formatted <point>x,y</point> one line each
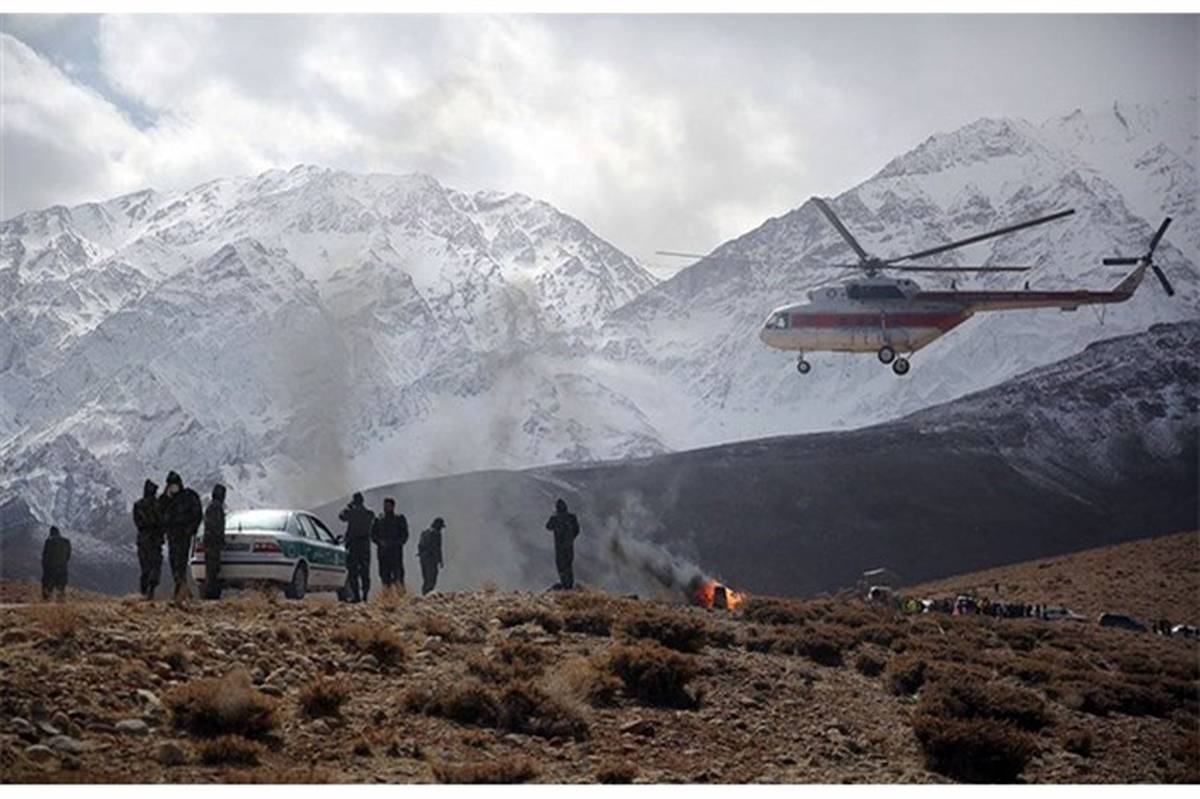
<point>893,315</point>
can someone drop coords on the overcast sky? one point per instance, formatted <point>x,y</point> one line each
<point>656,131</point>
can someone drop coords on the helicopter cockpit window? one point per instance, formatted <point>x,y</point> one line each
<point>874,293</point>
<point>777,321</point>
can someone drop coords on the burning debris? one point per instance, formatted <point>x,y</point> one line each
<point>674,573</point>
<point>711,594</point>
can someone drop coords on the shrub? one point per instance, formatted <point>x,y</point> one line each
<point>212,707</point>
<point>906,674</point>
<point>525,708</point>
<point>881,634</point>
<point>514,617</point>
<point>971,698</point>
<point>654,674</point>
<point>442,627</point>
<point>616,772</point>
<point>1100,694</point>
<point>592,621</point>
<point>973,750</point>
<point>487,772</point>
<point>822,643</point>
<point>1079,742</point>
<point>57,620</point>
<point>175,656</point>
<point>373,639</point>
<point>582,680</point>
<point>512,660</point>
<point>324,697</point>
<point>467,703</point>
<point>676,630</point>
<point>230,750</point>
<point>1029,670</point>
<point>771,610</point>
<point>869,665</point>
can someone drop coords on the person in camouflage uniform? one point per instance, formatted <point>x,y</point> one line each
<point>56,553</point>
<point>147,518</point>
<point>214,542</point>
<point>182,514</point>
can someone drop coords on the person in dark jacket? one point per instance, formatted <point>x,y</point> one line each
<point>214,542</point>
<point>182,514</point>
<point>390,534</point>
<point>56,554</point>
<point>359,521</point>
<point>565,527</point>
<point>147,518</point>
<point>429,551</point>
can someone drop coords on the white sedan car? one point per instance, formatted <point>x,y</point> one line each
<point>289,547</point>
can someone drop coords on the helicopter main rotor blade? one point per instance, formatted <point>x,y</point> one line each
<point>949,269</point>
<point>981,237</point>
<point>837,223</point>
<point>699,257</point>
<point>1121,261</point>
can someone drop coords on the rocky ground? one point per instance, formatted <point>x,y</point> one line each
<point>581,687</point>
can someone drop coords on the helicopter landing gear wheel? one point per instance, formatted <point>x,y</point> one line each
<point>803,366</point>
<point>886,354</point>
<point>900,366</point>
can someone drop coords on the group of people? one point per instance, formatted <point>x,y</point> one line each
<point>174,518</point>
<point>389,533</point>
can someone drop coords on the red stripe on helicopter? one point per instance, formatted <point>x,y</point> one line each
<point>942,321</point>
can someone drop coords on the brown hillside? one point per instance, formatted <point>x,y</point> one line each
<point>582,688</point>
<point>1149,579</point>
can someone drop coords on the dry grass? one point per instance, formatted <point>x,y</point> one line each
<point>230,750</point>
<point>514,617</point>
<point>525,708</point>
<point>175,656</point>
<point>378,640</point>
<point>487,772</point>
<point>226,705</point>
<point>616,772</point>
<point>654,674</point>
<point>511,660</point>
<point>324,696</point>
<point>58,621</point>
<point>582,680</point>
<point>676,630</point>
<point>442,627</point>
<point>465,702</point>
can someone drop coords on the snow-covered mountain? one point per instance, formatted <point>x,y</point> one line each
<point>297,334</point>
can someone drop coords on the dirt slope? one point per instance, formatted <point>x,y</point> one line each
<point>1151,579</point>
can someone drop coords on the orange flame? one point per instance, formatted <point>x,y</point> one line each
<point>708,592</point>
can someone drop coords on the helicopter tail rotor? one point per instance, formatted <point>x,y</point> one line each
<point>1148,259</point>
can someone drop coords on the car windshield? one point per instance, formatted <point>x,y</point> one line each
<point>257,520</point>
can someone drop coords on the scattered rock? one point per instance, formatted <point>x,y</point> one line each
<point>14,637</point>
<point>271,690</point>
<point>642,727</point>
<point>46,728</point>
<point>20,726</point>
<point>105,659</point>
<point>170,753</point>
<point>149,697</point>
<point>71,763</point>
<point>39,753</point>
<point>65,743</point>
<point>320,727</point>
<point>132,727</point>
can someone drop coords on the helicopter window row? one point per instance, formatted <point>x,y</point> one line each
<point>874,292</point>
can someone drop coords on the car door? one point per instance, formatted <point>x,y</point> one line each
<point>327,565</point>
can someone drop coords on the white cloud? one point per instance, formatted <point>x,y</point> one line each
<point>657,131</point>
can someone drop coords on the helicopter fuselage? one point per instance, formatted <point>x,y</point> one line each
<point>866,315</point>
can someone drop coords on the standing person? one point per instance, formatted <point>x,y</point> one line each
<point>358,521</point>
<point>147,518</point>
<point>429,550</point>
<point>214,542</point>
<point>56,553</point>
<point>565,527</point>
<point>390,534</point>
<point>182,514</point>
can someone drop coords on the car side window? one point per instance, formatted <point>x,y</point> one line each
<point>293,526</point>
<point>306,528</point>
<point>323,533</point>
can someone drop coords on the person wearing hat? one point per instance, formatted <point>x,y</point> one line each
<point>147,518</point>
<point>214,542</point>
<point>56,553</point>
<point>182,514</point>
<point>429,551</point>
<point>565,527</point>
<point>358,519</point>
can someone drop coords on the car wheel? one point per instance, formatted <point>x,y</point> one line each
<point>298,587</point>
